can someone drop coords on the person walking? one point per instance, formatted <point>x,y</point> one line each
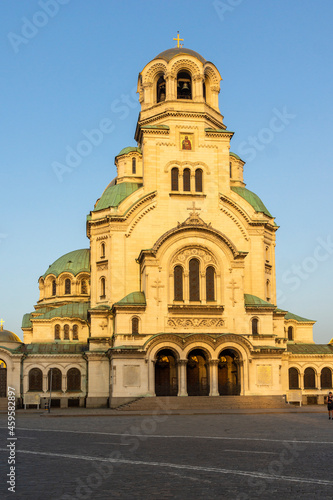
<point>329,401</point>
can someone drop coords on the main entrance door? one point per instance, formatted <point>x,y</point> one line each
<point>166,380</point>
<point>197,374</point>
<point>229,379</point>
<point>3,379</point>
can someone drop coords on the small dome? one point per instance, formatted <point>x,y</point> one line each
<point>7,337</point>
<point>167,55</point>
<point>129,149</point>
<point>72,262</point>
<point>114,194</point>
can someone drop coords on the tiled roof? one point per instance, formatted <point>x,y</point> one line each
<point>251,198</point>
<point>168,54</point>
<point>310,348</point>
<point>253,301</point>
<point>133,299</point>
<point>129,149</point>
<point>76,310</point>
<point>54,348</point>
<point>298,318</point>
<point>115,194</point>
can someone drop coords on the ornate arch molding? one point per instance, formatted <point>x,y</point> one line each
<point>182,164</point>
<point>186,64</point>
<point>194,222</point>
<point>151,72</point>
<point>212,73</point>
<point>187,252</point>
<point>224,341</point>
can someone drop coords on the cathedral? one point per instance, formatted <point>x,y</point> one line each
<point>176,294</point>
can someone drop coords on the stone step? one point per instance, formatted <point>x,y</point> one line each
<point>204,403</point>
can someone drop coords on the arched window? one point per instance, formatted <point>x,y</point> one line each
<point>309,378</point>
<point>174,179</point>
<point>186,179</point>
<point>57,332</point>
<point>178,283</point>
<point>267,254</point>
<point>67,286</point>
<point>66,332</point>
<point>56,379</point>
<point>54,287</point>
<point>102,288</point>
<point>293,379</point>
<point>268,291</point>
<point>84,288</point>
<point>290,333</point>
<point>102,250</point>
<point>135,325</point>
<point>204,90</point>
<point>255,324</point>
<point>326,378</point>
<point>75,332</point>
<point>73,379</point>
<point>198,180</point>
<point>194,279</point>
<point>210,284</point>
<point>35,380</point>
<point>230,169</point>
<point>133,165</point>
<point>160,89</point>
<point>184,85</point>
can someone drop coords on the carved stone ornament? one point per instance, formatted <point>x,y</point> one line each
<point>195,322</point>
<point>187,253</point>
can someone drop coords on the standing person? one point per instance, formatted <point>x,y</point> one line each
<point>329,401</point>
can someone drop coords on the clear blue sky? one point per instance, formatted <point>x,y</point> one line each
<point>80,66</point>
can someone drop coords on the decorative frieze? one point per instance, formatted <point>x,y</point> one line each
<point>195,322</point>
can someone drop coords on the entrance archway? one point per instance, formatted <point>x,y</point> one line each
<point>3,379</point>
<point>229,373</point>
<point>166,377</point>
<point>197,374</point>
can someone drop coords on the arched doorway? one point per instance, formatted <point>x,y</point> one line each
<point>229,373</point>
<point>197,374</point>
<point>3,379</point>
<point>166,378</point>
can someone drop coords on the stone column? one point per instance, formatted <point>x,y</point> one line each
<point>213,377</point>
<point>170,87</point>
<point>203,288</point>
<point>151,377</point>
<point>318,381</point>
<point>182,379</point>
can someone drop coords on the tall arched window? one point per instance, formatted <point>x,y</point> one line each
<point>184,85</point>
<point>194,279</point>
<point>186,179</point>
<point>67,286</point>
<point>198,180</point>
<point>230,169</point>
<point>57,332</point>
<point>178,283</point>
<point>135,325</point>
<point>309,378</point>
<point>174,179</point>
<point>210,284</point>
<point>290,333</point>
<point>75,332</point>
<point>84,288</point>
<point>255,324</point>
<point>54,287</point>
<point>56,379</point>
<point>102,250</point>
<point>133,165</point>
<point>293,379</point>
<point>160,89</point>
<point>326,378</point>
<point>73,379</point>
<point>35,380</point>
<point>102,288</point>
<point>66,332</point>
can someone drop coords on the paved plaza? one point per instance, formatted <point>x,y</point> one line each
<point>104,454</point>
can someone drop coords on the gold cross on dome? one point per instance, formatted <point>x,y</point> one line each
<point>1,324</point>
<point>178,40</point>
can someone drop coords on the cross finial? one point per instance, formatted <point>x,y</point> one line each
<point>1,324</point>
<point>194,209</point>
<point>178,40</point>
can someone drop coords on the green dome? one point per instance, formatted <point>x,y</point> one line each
<point>129,149</point>
<point>251,198</point>
<point>72,262</point>
<point>114,194</point>
<point>167,55</point>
